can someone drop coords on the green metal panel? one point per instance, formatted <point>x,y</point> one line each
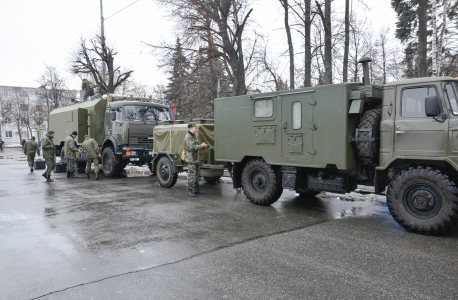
<point>82,124</point>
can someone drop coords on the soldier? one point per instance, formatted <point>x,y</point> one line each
<point>192,147</point>
<point>49,154</point>
<point>70,154</point>
<point>30,149</point>
<point>88,87</point>
<point>92,154</point>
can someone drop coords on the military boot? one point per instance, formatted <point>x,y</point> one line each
<point>87,176</point>
<point>198,191</point>
<point>44,175</point>
<point>31,168</point>
<point>68,174</point>
<point>48,179</point>
<point>190,194</point>
<point>96,176</point>
<point>72,175</point>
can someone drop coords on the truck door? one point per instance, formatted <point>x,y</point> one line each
<point>82,124</point>
<point>415,133</point>
<point>297,117</point>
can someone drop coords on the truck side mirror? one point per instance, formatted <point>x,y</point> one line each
<point>432,108</point>
<point>113,116</point>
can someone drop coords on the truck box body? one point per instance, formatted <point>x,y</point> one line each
<point>300,128</point>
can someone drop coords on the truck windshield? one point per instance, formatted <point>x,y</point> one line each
<point>145,113</point>
<point>451,95</point>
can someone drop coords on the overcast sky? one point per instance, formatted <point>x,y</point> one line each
<point>38,32</point>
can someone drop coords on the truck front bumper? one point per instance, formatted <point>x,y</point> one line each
<point>137,155</point>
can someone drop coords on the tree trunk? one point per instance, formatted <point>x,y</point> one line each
<point>290,44</point>
<point>308,46</point>
<point>347,40</point>
<point>422,37</point>
<point>434,40</point>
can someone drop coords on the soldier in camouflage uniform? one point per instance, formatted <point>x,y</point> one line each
<point>30,149</point>
<point>70,154</point>
<point>92,154</point>
<point>49,154</point>
<point>192,147</point>
<point>88,87</point>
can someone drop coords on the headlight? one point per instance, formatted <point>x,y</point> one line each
<point>151,153</point>
<point>133,153</point>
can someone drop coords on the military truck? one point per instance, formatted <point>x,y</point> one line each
<point>168,155</point>
<point>121,125</point>
<point>401,137</point>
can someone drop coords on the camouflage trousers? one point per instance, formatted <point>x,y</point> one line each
<point>50,165</point>
<point>71,164</point>
<point>94,161</point>
<point>88,94</point>
<point>30,158</point>
<point>193,175</point>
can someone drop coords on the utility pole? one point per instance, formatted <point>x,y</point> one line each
<point>434,52</point>
<point>103,40</point>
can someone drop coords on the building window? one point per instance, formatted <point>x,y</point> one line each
<point>24,107</point>
<point>8,106</point>
<point>23,121</point>
<point>24,94</point>
<point>263,108</point>
<point>7,93</point>
<point>8,134</point>
<point>39,108</point>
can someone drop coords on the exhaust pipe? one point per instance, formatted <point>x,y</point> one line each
<point>365,62</point>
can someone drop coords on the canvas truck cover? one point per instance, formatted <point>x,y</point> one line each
<point>170,138</point>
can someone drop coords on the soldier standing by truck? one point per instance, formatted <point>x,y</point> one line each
<point>49,154</point>
<point>30,149</point>
<point>92,155</point>
<point>88,87</point>
<point>192,147</point>
<point>70,154</point>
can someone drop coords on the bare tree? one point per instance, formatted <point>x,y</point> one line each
<point>285,5</point>
<point>326,19</point>
<point>87,60</point>
<point>53,91</point>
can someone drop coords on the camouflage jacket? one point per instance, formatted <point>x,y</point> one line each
<point>49,151</point>
<point>192,146</point>
<point>91,147</point>
<point>87,85</point>
<point>31,147</point>
<point>70,148</point>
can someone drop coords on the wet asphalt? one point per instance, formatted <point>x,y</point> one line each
<point>126,238</point>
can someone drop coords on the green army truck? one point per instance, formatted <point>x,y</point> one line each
<point>402,138</point>
<point>168,155</point>
<point>121,125</point>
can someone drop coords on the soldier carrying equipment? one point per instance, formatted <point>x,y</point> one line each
<point>92,155</point>
<point>70,154</point>
<point>192,147</point>
<point>30,149</point>
<point>88,87</point>
<point>49,154</point>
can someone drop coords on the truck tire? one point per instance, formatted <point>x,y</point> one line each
<point>370,120</point>
<point>112,165</point>
<point>165,174</point>
<point>212,179</point>
<point>260,183</point>
<point>423,200</point>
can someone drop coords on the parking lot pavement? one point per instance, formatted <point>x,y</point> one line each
<point>127,238</point>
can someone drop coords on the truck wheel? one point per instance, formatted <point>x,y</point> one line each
<point>423,200</point>
<point>165,174</point>
<point>212,179</point>
<point>260,183</point>
<point>370,120</point>
<point>111,164</point>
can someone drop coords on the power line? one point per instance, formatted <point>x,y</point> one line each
<point>121,10</point>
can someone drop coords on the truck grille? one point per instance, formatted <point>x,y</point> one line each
<point>140,140</point>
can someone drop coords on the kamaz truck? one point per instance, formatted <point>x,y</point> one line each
<point>402,138</point>
<point>121,125</point>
